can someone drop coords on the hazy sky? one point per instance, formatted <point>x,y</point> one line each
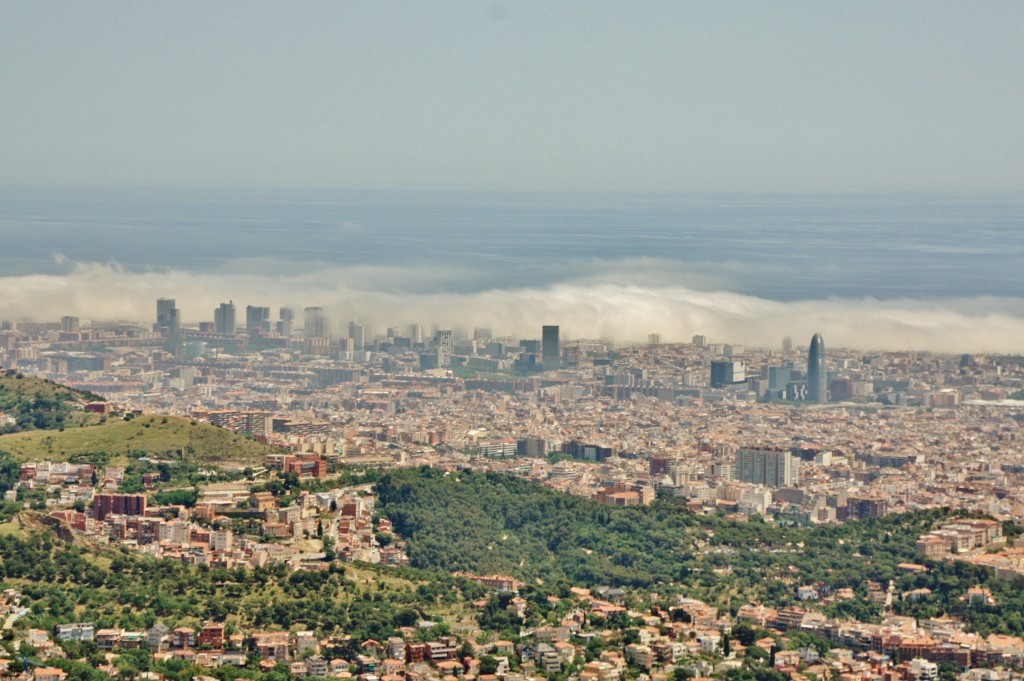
<point>515,95</point>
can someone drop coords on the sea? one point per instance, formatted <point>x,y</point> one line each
<point>784,247</point>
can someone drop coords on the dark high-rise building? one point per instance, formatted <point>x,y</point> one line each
<point>550,349</point>
<point>817,374</point>
<point>530,346</point>
<point>778,377</point>
<point>224,319</point>
<point>70,324</point>
<point>727,372</point>
<point>168,320</point>
<point>287,316</point>
<point>257,319</point>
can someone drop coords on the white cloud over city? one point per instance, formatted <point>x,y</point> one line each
<point>591,307</point>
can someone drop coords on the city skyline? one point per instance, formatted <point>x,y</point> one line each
<point>993,332</point>
<point>70,350</point>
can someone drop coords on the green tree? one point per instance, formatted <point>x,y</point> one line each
<point>681,674</point>
<point>488,664</point>
<point>745,634</point>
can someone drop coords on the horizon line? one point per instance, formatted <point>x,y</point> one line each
<point>6,185</point>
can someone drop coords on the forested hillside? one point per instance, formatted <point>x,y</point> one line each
<point>487,523</point>
<point>67,582</point>
<point>36,404</point>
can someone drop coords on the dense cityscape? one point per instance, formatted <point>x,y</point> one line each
<point>795,436</point>
<point>799,434</point>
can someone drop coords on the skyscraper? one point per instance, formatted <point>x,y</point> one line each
<point>727,372</point>
<point>317,325</point>
<point>257,319</point>
<point>817,375</point>
<point>287,316</point>
<point>767,467</point>
<point>550,349</point>
<point>168,322</point>
<point>778,377</point>
<point>444,345</point>
<point>70,324</point>
<point>357,332</point>
<point>224,319</point>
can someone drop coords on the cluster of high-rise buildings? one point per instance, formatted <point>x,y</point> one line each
<point>225,321</point>
<point>320,338</point>
<point>784,382</point>
<point>811,385</point>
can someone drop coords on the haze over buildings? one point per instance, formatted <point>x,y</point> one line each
<point>614,311</point>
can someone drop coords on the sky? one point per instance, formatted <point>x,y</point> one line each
<point>576,95</point>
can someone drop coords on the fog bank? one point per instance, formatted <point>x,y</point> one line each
<point>584,308</point>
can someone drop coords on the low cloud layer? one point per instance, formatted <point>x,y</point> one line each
<point>611,308</point>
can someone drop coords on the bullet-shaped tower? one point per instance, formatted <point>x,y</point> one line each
<point>817,374</point>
